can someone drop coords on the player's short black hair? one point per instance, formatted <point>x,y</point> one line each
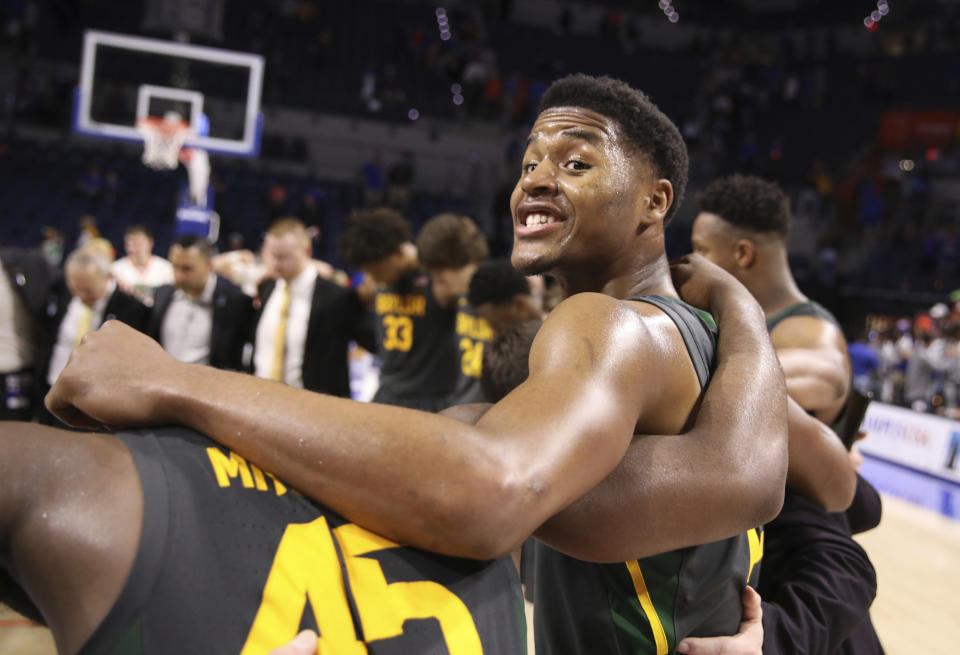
<point>450,241</point>
<point>496,281</point>
<point>188,241</point>
<point>372,235</point>
<point>646,128</point>
<point>506,361</point>
<point>748,202</point>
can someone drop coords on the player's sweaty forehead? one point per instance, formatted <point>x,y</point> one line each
<point>575,123</point>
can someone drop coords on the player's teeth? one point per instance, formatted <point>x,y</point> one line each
<point>539,219</point>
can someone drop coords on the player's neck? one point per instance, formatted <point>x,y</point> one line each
<point>628,281</point>
<point>776,290</point>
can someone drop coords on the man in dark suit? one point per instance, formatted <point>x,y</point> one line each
<point>202,318</point>
<point>91,297</point>
<point>26,282</point>
<point>305,323</point>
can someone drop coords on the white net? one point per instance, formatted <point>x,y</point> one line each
<point>162,140</point>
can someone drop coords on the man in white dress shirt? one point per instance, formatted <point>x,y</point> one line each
<point>202,318</point>
<point>91,298</point>
<point>306,322</point>
<point>140,272</point>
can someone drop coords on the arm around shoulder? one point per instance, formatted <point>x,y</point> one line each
<point>724,476</point>
<point>820,466</point>
<point>441,485</point>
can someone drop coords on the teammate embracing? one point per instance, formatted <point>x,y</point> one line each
<point>621,357</point>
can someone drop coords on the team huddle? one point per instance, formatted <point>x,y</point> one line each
<point>668,438</point>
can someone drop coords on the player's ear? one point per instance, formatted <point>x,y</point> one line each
<point>659,201</point>
<point>745,253</point>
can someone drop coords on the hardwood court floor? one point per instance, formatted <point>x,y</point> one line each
<point>917,556</point>
<point>916,553</point>
<point>18,637</point>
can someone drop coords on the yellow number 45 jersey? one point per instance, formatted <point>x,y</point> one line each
<point>232,561</point>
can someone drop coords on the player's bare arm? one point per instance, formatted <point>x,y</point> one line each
<point>438,484</point>
<point>70,515</point>
<point>711,482</point>
<point>820,466</point>
<point>813,355</point>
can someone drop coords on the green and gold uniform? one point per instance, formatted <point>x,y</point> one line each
<point>647,606</point>
<point>232,561</point>
<point>473,335</point>
<point>417,346</point>
<point>813,309</point>
<point>807,308</point>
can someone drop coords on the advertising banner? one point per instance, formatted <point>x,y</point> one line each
<point>921,441</point>
<point>904,130</point>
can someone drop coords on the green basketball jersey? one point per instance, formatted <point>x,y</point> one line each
<point>807,308</point>
<point>647,606</point>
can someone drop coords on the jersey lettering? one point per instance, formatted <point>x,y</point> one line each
<point>226,469</point>
<point>306,567</point>
<point>392,303</point>
<point>475,327</point>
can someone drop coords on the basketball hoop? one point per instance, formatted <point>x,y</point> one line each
<point>162,139</point>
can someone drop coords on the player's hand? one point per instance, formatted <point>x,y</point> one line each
<point>304,643</point>
<point>112,379</point>
<point>704,284</point>
<point>748,641</point>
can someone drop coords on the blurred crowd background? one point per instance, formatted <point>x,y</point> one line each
<point>851,107</point>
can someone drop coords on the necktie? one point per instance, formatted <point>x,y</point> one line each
<point>280,337</point>
<point>84,325</point>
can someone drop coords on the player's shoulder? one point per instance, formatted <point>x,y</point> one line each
<point>609,323</point>
<point>807,332</point>
<point>589,310</point>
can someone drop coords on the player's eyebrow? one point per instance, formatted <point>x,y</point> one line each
<point>572,133</point>
<point>579,133</point>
